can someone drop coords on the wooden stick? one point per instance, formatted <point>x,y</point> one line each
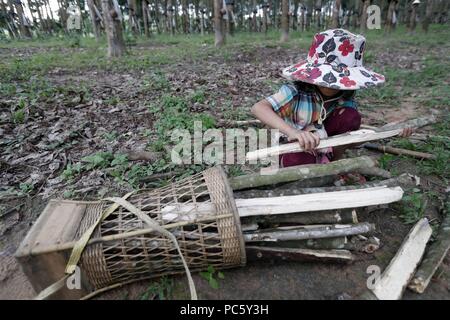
<point>396,276</point>
<point>318,201</point>
<point>402,180</point>
<point>413,123</point>
<point>302,172</point>
<point>310,232</point>
<point>434,255</point>
<point>255,253</point>
<point>399,151</point>
<point>338,243</point>
<point>338,140</point>
<point>318,217</point>
<point>376,172</point>
<point>288,204</point>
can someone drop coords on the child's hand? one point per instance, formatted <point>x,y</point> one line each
<point>307,140</point>
<point>406,132</point>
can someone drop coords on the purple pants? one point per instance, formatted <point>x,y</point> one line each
<point>339,121</point>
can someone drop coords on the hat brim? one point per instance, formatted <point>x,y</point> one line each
<point>334,77</point>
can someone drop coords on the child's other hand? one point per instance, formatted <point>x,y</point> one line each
<point>307,140</point>
<point>406,132</point>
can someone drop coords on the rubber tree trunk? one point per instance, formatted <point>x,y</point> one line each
<point>94,18</point>
<point>363,21</point>
<point>265,20</point>
<point>23,24</point>
<point>132,19</point>
<point>170,11</point>
<point>230,20</point>
<point>218,24</point>
<point>390,15</point>
<point>11,26</point>
<point>318,10</point>
<point>113,28</point>
<point>185,16</point>
<point>428,14</point>
<point>255,17</point>
<point>412,18</point>
<point>335,18</point>
<point>284,21</point>
<point>146,17</point>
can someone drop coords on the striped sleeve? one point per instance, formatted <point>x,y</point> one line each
<point>282,97</point>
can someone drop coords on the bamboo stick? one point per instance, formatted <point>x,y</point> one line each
<point>396,276</point>
<point>310,233</point>
<point>334,141</point>
<point>413,123</point>
<point>302,172</point>
<point>434,256</point>
<point>402,180</point>
<point>318,217</point>
<point>399,151</point>
<point>255,253</point>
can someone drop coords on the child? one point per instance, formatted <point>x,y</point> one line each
<point>320,100</point>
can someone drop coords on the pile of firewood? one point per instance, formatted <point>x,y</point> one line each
<point>302,213</point>
<point>290,215</point>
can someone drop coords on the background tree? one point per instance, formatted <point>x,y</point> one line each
<point>113,28</point>
<point>428,15</point>
<point>336,9</point>
<point>284,20</point>
<point>218,23</point>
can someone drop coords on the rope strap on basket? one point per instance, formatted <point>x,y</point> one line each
<point>153,224</point>
<point>82,242</point>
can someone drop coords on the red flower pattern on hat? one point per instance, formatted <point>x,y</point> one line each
<point>335,61</point>
<point>346,81</point>
<point>346,47</point>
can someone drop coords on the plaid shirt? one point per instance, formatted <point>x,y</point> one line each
<point>301,108</point>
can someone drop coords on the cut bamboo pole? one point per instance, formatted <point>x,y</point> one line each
<point>396,276</point>
<point>375,172</point>
<point>334,141</point>
<point>289,204</point>
<point>434,255</point>
<point>310,232</point>
<point>319,201</point>
<point>302,172</point>
<point>399,151</point>
<point>319,217</point>
<point>255,253</point>
<point>337,243</point>
<point>413,123</point>
<point>402,180</point>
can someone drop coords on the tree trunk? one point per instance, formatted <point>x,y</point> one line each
<point>363,22</point>
<point>336,9</point>
<point>185,16</point>
<point>390,16</point>
<point>23,23</point>
<point>318,10</point>
<point>146,18</point>
<point>284,21</point>
<point>218,24</point>
<point>231,23</point>
<point>412,18</point>
<point>170,11</point>
<point>113,28</point>
<point>265,22</point>
<point>428,14</point>
<point>10,22</point>
<point>95,18</point>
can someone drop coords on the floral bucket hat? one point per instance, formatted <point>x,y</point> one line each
<point>335,60</point>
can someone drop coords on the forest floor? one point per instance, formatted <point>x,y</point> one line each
<point>68,117</point>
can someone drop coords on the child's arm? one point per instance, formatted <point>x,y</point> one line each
<point>264,112</point>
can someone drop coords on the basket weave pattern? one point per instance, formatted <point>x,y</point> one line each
<point>215,240</point>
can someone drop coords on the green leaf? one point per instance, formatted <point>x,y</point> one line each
<point>213,283</point>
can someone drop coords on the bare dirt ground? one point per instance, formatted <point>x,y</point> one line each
<point>72,124</point>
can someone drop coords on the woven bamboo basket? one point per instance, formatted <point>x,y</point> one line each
<point>205,238</point>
